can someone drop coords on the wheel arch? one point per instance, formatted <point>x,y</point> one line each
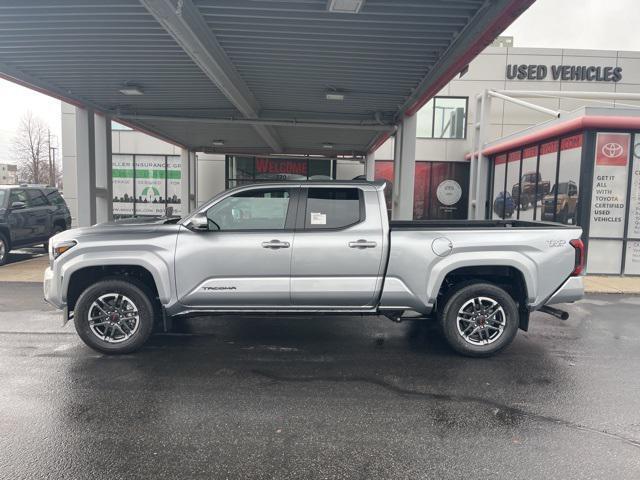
<point>4,230</point>
<point>79,279</point>
<point>513,277</point>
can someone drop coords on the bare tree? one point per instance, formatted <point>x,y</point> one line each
<point>31,150</point>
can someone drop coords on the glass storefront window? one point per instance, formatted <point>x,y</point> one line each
<point>546,180</point>
<point>146,185</point>
<point>244,170</point>
<point>501,204</point>
<point>513,181</point>
<point>150,185</point>
<point>567,191</point>
<point>440,189</point>
<point>633,225</point>
<point>632,258</point>
<point>443,117</point>
<point>122,172</point>
<point>526,193</point>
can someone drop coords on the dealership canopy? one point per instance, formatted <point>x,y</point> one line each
<point>269,76</point>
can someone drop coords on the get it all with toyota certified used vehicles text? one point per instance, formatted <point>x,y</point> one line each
<point>312,248</point>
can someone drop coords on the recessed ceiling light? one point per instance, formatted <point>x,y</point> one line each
<point>218,143</point>
<point>131,90</point>
<point>328,146</point>
<point>335,96</point>
<point>345,6</point>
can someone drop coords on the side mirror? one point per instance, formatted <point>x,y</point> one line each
<point>18,205</point>
<point>199,222</point>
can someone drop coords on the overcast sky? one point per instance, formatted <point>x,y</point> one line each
<point>588,24</point>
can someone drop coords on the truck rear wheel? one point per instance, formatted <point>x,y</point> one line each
<point>114,316</point>
<point>479,319</point>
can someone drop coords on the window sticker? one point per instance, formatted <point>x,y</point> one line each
<point>318,218</point>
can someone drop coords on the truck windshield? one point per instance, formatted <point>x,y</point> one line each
<point>562,188</point>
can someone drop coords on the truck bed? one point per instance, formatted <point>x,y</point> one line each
<point>473,225</point>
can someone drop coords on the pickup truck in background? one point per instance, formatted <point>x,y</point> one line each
<point>312,248</point>
<point>530,190</point>
<point>563,210</point>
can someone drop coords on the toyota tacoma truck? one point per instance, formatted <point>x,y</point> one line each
<point>530,190</point>
<point>312,248</point>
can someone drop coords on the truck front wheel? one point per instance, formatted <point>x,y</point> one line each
<point>114,316</point>
<point>479,319</point>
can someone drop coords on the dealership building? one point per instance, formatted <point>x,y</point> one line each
<point>543,163</point>
<point>230,92</point>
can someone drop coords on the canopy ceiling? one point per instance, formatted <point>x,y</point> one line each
<point>252,73</point>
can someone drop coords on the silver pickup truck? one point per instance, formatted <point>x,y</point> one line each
<point>312,248</point>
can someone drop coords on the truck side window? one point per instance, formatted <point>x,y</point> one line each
<point>55,198</point>
<point>36,198</point>
<point>18,196</point>
<point>332,208</point>
<point>251,210</point>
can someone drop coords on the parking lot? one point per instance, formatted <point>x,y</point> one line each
<point>320,397</point>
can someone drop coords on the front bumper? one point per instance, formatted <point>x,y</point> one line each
<point>571,291</point>
<point>52,286</point>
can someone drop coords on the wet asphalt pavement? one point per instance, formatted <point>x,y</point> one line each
<point>321,397</point>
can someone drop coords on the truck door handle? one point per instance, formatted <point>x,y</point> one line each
<point>275,244</point>
<point>362,244</point>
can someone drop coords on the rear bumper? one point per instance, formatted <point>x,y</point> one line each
<point>571,291</point>
<point>52,289</point>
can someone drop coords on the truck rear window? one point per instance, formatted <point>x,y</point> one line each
<point>55,198</point>
<point>332,208</point>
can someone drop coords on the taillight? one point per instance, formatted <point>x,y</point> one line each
<point>579,265</point>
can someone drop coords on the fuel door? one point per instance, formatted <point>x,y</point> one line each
<point>442,246</point>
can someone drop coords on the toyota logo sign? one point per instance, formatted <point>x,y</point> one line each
<point>612,150</point>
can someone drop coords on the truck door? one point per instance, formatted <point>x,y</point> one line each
<point>18,217</point>
<point>243,261</point>
<point>338,251</point>
<point>40,212</point>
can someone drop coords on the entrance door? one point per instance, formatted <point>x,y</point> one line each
<point>337,257</point>
<point>243,260</point>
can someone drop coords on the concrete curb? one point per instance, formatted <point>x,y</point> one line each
<point>606,284</point>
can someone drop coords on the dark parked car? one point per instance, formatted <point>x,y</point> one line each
<point>30,215</point>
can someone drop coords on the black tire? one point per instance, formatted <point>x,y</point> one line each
<point>131,289</point>
<point>448,317</point>
<point>4,249</point>
<point>56,230</point>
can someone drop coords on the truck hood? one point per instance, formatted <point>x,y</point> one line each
<point>120,231</point>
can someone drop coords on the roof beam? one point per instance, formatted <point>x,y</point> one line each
<point>191,32</point>
<point>261,121</point>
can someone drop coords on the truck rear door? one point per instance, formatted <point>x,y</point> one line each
<point>338,248</point>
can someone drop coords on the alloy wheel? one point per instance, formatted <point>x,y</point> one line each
<point>113,318</point>
<point>481,321</point>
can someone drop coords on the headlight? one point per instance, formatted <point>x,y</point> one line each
<point>61,247</point>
